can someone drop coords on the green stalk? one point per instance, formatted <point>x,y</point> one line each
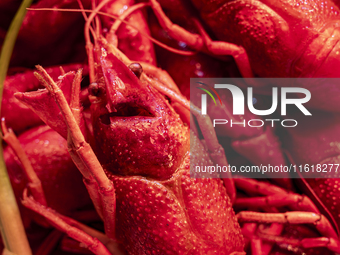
<point>11,227</point>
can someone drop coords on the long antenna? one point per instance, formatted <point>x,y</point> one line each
<point>180,52</point>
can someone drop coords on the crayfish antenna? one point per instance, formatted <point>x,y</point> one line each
<point>89,45</point>
<point>173,50</point>
<point>111,36</point>
<point>83,12</point>
<point>96,22</point>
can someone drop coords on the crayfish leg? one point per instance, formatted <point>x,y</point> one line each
<point>224,48</point>
<point>272,195</point>
<point>34,183</point>
<point>100,188</point>
<point>306,243</point>
<point>294,201</point>
<point>202,41</point>
<point>178,33</point>
<point>321,223</point>
<point>60,222</point>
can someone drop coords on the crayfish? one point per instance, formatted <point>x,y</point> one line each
<point>137,168</point>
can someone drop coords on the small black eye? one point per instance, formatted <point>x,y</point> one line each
<point>94,89</point>
<point>137,69</point>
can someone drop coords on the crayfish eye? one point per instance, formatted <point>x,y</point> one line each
<point>137,69</point>
<point>95,90</point>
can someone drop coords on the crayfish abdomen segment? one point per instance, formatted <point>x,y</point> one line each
<point>181,215</point>
<point>260,30</point>
<point>273,33</point>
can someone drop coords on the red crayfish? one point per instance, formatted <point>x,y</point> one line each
<point>147,164</point>
<point>273,39</point>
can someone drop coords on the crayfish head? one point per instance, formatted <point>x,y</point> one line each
<point>136,130</point>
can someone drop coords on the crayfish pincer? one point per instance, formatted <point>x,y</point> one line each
<point>137,171</point>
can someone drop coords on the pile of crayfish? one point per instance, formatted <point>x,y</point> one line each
<point>100,136</point>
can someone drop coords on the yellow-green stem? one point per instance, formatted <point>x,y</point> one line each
<point>11,227</point>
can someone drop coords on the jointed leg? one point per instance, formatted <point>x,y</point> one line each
<point>256,246</point>
<point>294,201</point>
<point>321,223</point>
<point>110,244</point>
<point>254,187</point>
<point>34,183</point>
<point>194,41</point>
<point>100,187</point>
<point>89,181</point>
<point>273,196</point>
<point>224,48</point>
<point>202,42</point>
<point>330,243</point>
<point>250,232</point>
<point>273,229</point>
<point>54,219</point>
<point>277,197</point>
